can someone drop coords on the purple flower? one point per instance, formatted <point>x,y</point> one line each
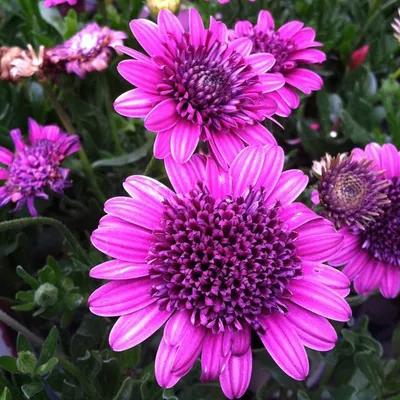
<point>53,3</point>
<point>228,252</point>
<point>291,45</point>
<point>35,166</point>
<point>87,51</point>
<point>372,255</point>
<point>196,86</point>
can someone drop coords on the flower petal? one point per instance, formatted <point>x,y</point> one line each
<point>351,245</point>
<point>165,358</point>
<point>265,21</point>
<point>289,29</point>
<point>370,278</point>
<point>261,62</point>
<point>17,139</point>
<point>184,139</point>
<point>218,181</point>
<point>297,214</point>
<point>154,192</point>
<point>119,270</point>
<point>3,174</point>
<point>304,80</point>
<point>356,264</point>
<point>169,24</point>
<point>241,341</point>
<point>162,144</point>
<point>390,161</point>
<point>196,28</point>
<point>162,117</point>
<point>176,327</point>
<point>242,46</point>
<point>225,147</point>
<point>136,103</point>
<point>256,134</point>
<point>271,82</point>
<point>390,282</point>
<point>147,34</point>
<point>6,156</point>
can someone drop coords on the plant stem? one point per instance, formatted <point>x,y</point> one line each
<point>66,121</point>
<point>150,166</point>
<point>103,10</point>
<point>69,237</point>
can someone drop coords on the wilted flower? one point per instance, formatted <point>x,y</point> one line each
<point>87,51</point>
<point>17,63</point>
<point>35,166</point>
<point>358,57</point>
<point>396,27</point>
<point>291,45</point>
<point>226,253</point>
<point>372,255</point>
<point>197,86</point>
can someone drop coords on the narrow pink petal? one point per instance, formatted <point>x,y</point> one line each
<point>325,275</point>
<point>242,45</point>
<point>261,62</point>
<point>304,37</point>
<point>319,299</point>
<point>351,246</point>
<point>308,56</point>
<point>136,103</point>
<point>313,330</point>
<point>144,75</point>
<point>119,270</point>
<point>151,189</point>
<point>243,28</point>
<point>219,30</point>
<point>162,117</point>
<point>165,358</point>
<point>132,329</point>
<point>241,341</point>
<point>185,176</point>
<point>355,265</point>
<point>316,227</point>
<point>3,174</point>
<point>304,80</point>
<point>390,282</point>
<point>265,21</point>
<point>289,29</point>
<point>122,297</point>
<point>271,81</point>
<point>290,185</point>
<point>162,144</point>
<point>297,214</point>
<point>6,156</point>
<point>390,160</point>
<point>284,346</point>
<point>50,132</point>
<point>147,34</point>
<point>137,55</point>
<point>283,110</point>
<point>370,277</point>
<point>136,211</point>
<point>212,358</point>
<point>290,96</point>
<point>235,378</point>
<point>169,24</point>
<point>35,131</point>
<point>314,197</point>
<point>196,28</point>
<point>226,146</point>
<point>17,139</point>
<point>256,134</point>
<point>184,139</point>
<point>218,181</point>
<point>373,152</point>
<point>176,328</point>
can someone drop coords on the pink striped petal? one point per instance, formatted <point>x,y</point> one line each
<point>241,341</point>
<point>265,21</point>
<point>136,103</point>
<point>308,56</point>
<point>3,174</point>
<point>290,96</point>
<point>169,24</point>
<point>212,358</point>
<point>132,329</point>
<point>165,358</point>
<point>184,177</point>
<point>143,186</point>
<point>119,270</point>
<point>219,30</point>
<point>17,139</point>
<point>196,28</point>
<point>242,45</point>
<point>137,55</point>
<point>235,378</point>
<point>122,297</point>
<point>136,211</point>
<point>184,139</point>
<point>304,37</point>
<point>162,144</point>
<point>390,282</point>
<point>297,214</point>
<point>317,247</point>
<point>243,28</point>
<point>144,75</point>
<point>147,34</point>
<point>373,152</point>
<point>218,181</point>
<point>290,185</point>
<point>176,328</point>
<point>390,161</point>
<point>328,276</point>
<point>304,80</point>
<point>351,245</point>
<point>271,82</point>
<point>284,346</point>
<point>261,62</point>
<point>256,134</point>
<point>35,131</point>
<point>283,110</point>
<point>162,117</point>
<point>313,330</point>
<point>289,29</point>
<point>370,278</point>
<point>225,146</point>
<point>319,299</point>
<point>6,156</point>
<point>316,227</point>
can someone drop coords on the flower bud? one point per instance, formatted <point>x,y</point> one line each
<point>155,6</point>
<point>46,295</point>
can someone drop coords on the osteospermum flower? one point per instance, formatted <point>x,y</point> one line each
<point>226,253</point>
<point>87,51</point>
<point>53,3</point>
<point>35,166</point>
<point>372,255</point>
<point>195,86</point>
<point>292,46</point>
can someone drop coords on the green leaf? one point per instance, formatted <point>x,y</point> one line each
<point>6,395</point>
<point>47,275</point>
<point>127,390</point>
<point>25,295</point>
<point>23,344</point>
<point>49,346</point>
<point>46,367</point>
<point>370,365</point>
<point>128,358</point>
<point>345,392</point>
<point>30,389</point>
<point>354,130</point>
<point>24,307</point>
<point>9,364</point>
<point>302,395</point>
<point>73,301</point>
<point>29,279</point>
<point>71,24</point>
<point>69,391</point>
<point>53,17</point>
<point>53,264</point>
<point>26,362</point>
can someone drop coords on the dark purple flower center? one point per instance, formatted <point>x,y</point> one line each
<point>382,238</point>
<point>271,42</point>
<point>212,86</point>
<point>35,168</point>
<point>225,261</point>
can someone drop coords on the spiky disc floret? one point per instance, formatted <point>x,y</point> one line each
<point>351,192</point>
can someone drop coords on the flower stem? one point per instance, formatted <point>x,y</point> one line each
<point>150,166</point>
<point>69,237</point>
<point>87,168</point>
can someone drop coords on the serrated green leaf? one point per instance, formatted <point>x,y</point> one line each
<point>30,389</point>
<point>9,364</point>
<point>49,346</point>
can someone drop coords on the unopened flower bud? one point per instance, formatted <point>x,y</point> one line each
<point>155,6</point>
<point>46,295</point>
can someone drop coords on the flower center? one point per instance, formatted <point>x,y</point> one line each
<point>34,168</point>
<point>226,261</point>
<point>382,238</point>
<point>210,85</point>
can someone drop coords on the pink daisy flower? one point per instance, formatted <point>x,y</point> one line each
<point>292,46</point>
<point>53,3</point>
<point>196,86</point>
<point>35,166</point>
<point>226,253</point>
<point>372,254</point>
<point>87,51</point>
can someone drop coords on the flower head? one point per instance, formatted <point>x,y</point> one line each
<point>53,3</point>
<point>196,86</point>
<point>87,51</point>
<point>35,166</point>
<point>226,253</point>
<point>292,46</point>
<point>351,192</point>
<point>358,57</point>
<point>372,255</point>
<point>396,27</point>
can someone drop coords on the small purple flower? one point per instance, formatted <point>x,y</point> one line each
<point>35,166</point>
<point>53,3</point>
<point>87,51</point>
<point>292,46</point>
